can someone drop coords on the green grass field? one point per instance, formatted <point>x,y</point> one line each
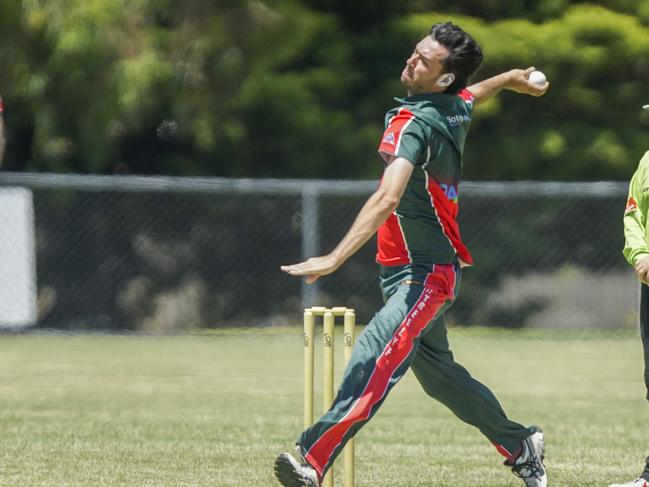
<point>215,410</point>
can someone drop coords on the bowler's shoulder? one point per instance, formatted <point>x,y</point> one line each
<point>406,114</point>
<point>466,96</point>
<point>466,100</point>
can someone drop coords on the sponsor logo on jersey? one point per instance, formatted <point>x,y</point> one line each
<point>457,119</point>
<point>450,191</point>
<point>631,205</point>
<point>388,138</point>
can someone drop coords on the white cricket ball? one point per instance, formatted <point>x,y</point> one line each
<point>538,78</point>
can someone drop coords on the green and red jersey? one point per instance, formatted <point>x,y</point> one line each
<point>636,221</point>
<point>428,130</point>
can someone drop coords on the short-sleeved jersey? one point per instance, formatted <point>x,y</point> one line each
<point>428,130</point>
<point>636,214</point>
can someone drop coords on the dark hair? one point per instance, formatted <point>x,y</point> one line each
<point>465,54</point>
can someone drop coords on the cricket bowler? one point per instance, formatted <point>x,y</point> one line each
<point>421,256</point>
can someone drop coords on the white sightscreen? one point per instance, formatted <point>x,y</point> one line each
<point>17,258</point>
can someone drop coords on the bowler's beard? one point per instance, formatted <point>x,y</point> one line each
<point>407,84</point>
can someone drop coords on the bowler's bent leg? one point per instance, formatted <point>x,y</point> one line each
<point>447,381</point>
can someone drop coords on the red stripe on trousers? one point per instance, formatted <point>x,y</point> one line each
<point>393,355</point>
<point>502,450</point>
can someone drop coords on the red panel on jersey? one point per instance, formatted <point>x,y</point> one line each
<point>392,135</point>
<point>392,247</point>
<point>446,210</point>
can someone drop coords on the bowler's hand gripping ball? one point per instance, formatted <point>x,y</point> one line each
<point>538,78</point>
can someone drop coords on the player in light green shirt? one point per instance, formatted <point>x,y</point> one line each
<point>636,251</point>
<point>636,223</point>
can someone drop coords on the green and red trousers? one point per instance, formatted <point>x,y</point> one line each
<point>408,332</point>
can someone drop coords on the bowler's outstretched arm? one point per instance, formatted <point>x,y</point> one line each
<point>375,211</point>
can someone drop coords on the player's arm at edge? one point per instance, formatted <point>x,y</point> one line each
<point>516,80</point>
<point>636,247</point>
<point>377,208</point>
<point>375,211</point>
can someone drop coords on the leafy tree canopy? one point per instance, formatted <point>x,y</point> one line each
<point>299,88</point>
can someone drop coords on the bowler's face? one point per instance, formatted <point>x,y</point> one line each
<point>424,67</point>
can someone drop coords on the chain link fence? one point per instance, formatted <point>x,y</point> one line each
<point>170,254</point>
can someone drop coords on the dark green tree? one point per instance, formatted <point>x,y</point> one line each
<point>290,88</point>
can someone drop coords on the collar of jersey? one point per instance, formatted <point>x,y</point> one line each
<point>436,97</point>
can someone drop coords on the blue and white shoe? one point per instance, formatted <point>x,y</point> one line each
<point>292,473</point>
<point>529,464</point>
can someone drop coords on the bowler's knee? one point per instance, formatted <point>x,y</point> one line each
<point>431,378</point>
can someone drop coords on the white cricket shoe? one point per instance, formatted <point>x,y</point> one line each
<point>640,482</point>
<point>529,465</point>
<point>292,473</point>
